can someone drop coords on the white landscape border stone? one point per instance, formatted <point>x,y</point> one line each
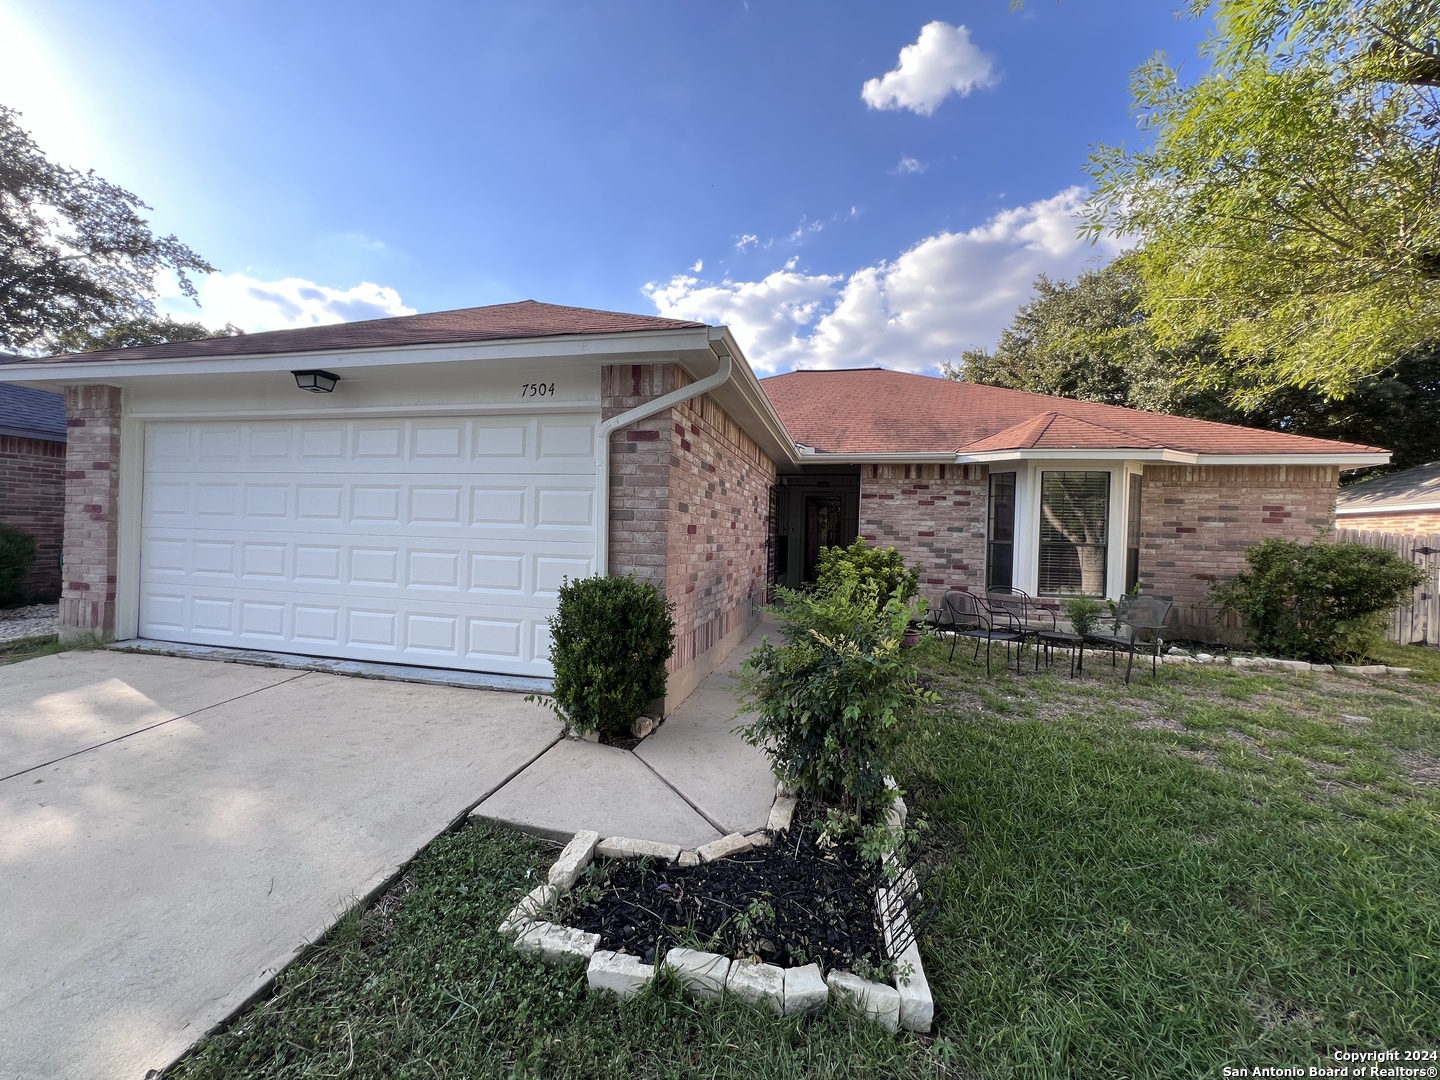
<point>1180,656</point>
<point>783,991</point>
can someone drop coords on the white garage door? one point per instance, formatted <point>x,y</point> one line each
<point>434,541</point>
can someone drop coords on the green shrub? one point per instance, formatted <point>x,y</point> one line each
<point>1082,612</point>
<point>17,555</point>
<point>1317,602</point>
<point>831,699</point>
<point>609,640</point>
<point>881,569</point>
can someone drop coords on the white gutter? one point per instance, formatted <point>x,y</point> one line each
<point>1398,508</point>
<point>642,412</point>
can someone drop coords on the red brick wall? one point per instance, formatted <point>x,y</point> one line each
<point>1197,520</point>
<point>689,494</point>
<point>1418,523</point>
<point>32,499</point>
<point>92,456</point>
<point>720,483</point>
<point>639,470</point>
<point>932,514</point>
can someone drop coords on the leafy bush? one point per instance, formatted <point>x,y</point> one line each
<point>1082,612</point>
<point>831,699</point>
<point>17,555</point>
<point>609,640</point>
<point>882,569</point>
<point>1317,602</point>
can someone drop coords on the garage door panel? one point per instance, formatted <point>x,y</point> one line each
<point>439,541</point>
<point>562,441</point>
<point>550,507</point>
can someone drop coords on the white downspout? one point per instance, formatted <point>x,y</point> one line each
<point>641,412</point>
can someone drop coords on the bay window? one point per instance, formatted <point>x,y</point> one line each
<point>1074,533</point>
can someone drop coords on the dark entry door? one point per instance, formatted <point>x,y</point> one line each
<point>824,528</point>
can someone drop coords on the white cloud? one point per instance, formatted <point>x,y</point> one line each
<point>943,61</point>
<point>699,265</point>
<point>256,305</point>
<point>950,292</point>
<point>747,241</point>
<point>909,165</point>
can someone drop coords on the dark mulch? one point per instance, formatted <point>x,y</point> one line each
<point>791,903</point>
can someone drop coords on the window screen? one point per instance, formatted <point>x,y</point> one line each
<point>1074,533</point>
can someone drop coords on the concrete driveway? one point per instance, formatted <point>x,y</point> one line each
<point>173,830</point>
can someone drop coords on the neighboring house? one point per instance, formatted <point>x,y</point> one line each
<point>1402,502</point>
<point>32,477</point>
<point>466,462</point>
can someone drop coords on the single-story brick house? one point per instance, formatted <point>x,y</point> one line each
<point>426,508</point>
<point>1405,502</point>
<point>32,477</point>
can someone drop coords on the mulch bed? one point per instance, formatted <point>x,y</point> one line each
<point>790,904</point>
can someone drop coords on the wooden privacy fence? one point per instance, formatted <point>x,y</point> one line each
<point>1419,622</point>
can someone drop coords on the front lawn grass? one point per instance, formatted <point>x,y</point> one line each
<point>1214,868</point>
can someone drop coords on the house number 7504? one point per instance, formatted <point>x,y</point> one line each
<point>537,389</point>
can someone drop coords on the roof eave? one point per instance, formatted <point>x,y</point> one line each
<point>601,346</point>
<point>1341,510</point>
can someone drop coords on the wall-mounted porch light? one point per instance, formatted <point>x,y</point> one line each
<point>317,382</point>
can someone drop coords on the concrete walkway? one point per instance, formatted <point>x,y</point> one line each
<point>689,783</point>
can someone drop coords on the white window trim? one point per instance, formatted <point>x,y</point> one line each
<point>1027,519</point>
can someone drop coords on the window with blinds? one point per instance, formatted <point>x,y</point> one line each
<point>1074,533</point>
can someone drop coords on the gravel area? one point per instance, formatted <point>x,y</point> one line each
<point>36,620</point>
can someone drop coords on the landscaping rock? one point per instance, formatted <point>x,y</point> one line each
<point>1205,658</point>
<point>588,736</point>
<point>622,847</point>
<point>1361,669</point>
<point>757,984</point>
<point>1175,650</point>
<point>702,974</point>
<point>573,859</point>
<point>557,944</point>
<point>1241,661</point>
<point>1397,671</point>
<point>734,844</point>
<point>758,839</point>
<point>781,813</point>
<point>643,726</point>
<point>618,973</point>
<point>1294,665</point>
<point>522,915</point>
<point>689,858</point>
<point>1322,668</point>
<point>805,989</point>
<point>917,1004</point>
<point>879,1003</point>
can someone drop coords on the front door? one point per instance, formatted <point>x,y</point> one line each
<point>823,528</point>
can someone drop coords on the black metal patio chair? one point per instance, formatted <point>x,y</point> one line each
<point>961,614</point>
<point>1136,615</point>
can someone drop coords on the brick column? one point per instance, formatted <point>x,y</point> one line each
<point>92,489</point>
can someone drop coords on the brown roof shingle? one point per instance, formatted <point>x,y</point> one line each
<point>872,410</point>
<point>522,319</point>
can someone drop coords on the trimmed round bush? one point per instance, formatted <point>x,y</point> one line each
<point>609,640</point>
<point>17,555</point>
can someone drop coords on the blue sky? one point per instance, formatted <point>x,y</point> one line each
<point>842,183</point>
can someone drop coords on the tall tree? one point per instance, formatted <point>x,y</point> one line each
<point>75,252</point>
<point>141,330</point>
<point>1289,201</point>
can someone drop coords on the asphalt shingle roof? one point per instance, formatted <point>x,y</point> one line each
<point>1407,487</point>
<point>522,319</point>
<point>35,413</point>
<point>872,410</point>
